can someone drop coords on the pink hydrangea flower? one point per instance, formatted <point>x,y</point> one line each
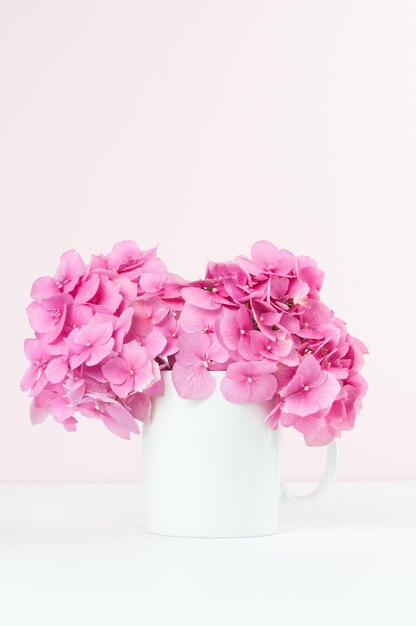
<point>58,365</point>
<point>91,343</point>
<point>132,371</point>
<point>40,356</point>
<point>249,382</point>
<point>48,316</point>
<point>280,350</point>
<point>147,313</point>
<point>113,414</point>
<point>128,260</point>
<point>236,331</point>
<point>101,293</point>
<point>267,260</point>
<point>266,317</point>
<point>197,353</point>
<point>70,270</point>
<point>52,402</point>
<point>310,390</point>
<point>169,327</point>
<point>308,271</point>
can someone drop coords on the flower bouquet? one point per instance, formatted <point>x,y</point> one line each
<point>105,331</point>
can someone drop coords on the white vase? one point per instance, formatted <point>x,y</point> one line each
<point>212,467</point>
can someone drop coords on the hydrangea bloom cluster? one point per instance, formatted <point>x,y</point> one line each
<point>101,332</point>
<point>106,330</point>
<point>261,320</point>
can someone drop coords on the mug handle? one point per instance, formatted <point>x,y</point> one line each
<point>328,479</point>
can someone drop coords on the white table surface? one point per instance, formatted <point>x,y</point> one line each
<point>78,555</point>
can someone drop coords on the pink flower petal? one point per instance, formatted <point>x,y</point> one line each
<point>122,390</point>
<point>278,287</point>
<point>259,368</point>
<point>308,371</point>
<point>194,319</point>
<point>125,319</point>
<point>292,359</point>
<point>61,409</point>
<point>121,430</point>
<point>201,298</point>
<point>75,390</point>
<point>235,390</point>
<point>119,413</point>
<point>29,377</point>
<point>39,407</point>
<point>274,417</point>
<point>298,290</point>
<point>229,329</point>
<point>262,388</point>
<point>156,389</point>
<point>192,383</point>
<point>326,393</point>
<point>78,358</point>
<point>249,382</point>
<point>288,419</point>
<point>250,344</point>
<point>144,376</point>
<point>99,352</point>
<point>43,288</point>
<point>107,298</point>
<point>57,328</point>
<point>94,333</point>
<point>78,316</point>
<point>115,370</point>
<point>154,344</point>
<point>39,318</point>
<point>87,289</point>
<point>308,271</point>
<point>139,405</point>
<point>70,270</point>
<point>216,352</point>
<point>152,282</point>
<point>301,403</point>
<point>289,323</point>
<point>254,348</point>
<point>70,424</point>
<point>239,370</point>
<point>134,355</point>
<point>56,370</point>
<point>192,348</point>
<point>39,385</point>
<point>36,350</point>
<point>272,259</point>
<point>127,258</point>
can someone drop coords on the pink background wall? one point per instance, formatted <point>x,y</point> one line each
<point>205,126</point>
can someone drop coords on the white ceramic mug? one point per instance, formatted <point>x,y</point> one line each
<point>212,467</point>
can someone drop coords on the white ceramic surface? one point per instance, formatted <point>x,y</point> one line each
<point>212,468</point>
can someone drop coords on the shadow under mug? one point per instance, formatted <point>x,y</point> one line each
<point>212,467</point>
